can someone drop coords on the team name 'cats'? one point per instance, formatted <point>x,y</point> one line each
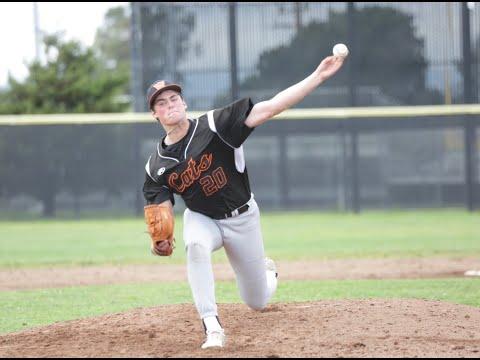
<point>191,174</point>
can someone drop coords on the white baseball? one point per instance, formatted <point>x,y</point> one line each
<point>340,50</point>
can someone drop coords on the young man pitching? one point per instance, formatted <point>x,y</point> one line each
<point>202,160</point>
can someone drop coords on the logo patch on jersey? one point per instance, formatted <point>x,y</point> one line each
<point>161,171</point>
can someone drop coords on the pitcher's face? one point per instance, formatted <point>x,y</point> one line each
<point>169,108</point>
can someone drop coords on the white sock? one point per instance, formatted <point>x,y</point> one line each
<point>212,324</point>
<point>271,283</point>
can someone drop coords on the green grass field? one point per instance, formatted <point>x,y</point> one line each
<point>288,236</point>
<point>25,309</point>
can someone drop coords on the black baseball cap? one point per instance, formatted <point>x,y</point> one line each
<point>157,87</point>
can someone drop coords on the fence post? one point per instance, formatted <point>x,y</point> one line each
<point>232,17</point>
<point>138,100</point>
<point>355,170</point>
<point>283,170</point>
<point>354,183</point>
<point>469,129</point>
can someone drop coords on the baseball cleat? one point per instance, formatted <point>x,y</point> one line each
<point>214,339</point>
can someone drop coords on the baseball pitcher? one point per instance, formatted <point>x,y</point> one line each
<point>202,160</point>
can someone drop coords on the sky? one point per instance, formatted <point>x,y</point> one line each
<point>79,21</point>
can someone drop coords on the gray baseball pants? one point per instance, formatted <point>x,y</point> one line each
<point>242,239</point>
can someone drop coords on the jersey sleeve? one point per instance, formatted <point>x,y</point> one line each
<point>230,122</point>
<point>155,193</point>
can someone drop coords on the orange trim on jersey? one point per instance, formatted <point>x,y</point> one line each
<point>219,177</point>
<point>212,183</point>
<point>191,174</point>
<point>208,185</point>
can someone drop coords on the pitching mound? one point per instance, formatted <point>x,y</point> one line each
<point>361,328</point>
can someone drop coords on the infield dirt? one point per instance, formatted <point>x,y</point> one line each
<point>341,269</point>
<point>333,328</point>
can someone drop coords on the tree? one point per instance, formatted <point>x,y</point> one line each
<point>388,55</point>
<point>166,31</point>
<point>44,159</point>
<point>112,43</point>
<point>71,81</point>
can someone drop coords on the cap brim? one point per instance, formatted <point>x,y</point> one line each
<point>168,87</point>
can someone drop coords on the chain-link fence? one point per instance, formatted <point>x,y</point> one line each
<point>400,53</point>
<point>332,164</point>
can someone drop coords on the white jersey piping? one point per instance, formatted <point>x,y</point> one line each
<point>238,152</point>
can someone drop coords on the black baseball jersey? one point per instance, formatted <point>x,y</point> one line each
<point>207,167</point>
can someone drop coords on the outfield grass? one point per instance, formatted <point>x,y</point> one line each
<point>288,236</point>
<point>26,309</point>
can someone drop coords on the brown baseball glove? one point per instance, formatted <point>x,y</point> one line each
<point>160,223</point>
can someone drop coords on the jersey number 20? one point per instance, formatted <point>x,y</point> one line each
<point>212,183</point>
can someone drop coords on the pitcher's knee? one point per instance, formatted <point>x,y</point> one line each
<point>256,304</point>
<point>197,252</point>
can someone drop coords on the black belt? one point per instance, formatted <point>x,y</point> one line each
<point>235,212</point>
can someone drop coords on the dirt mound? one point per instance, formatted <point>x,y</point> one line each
<point>360,328</point>
<point>388,268</point>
